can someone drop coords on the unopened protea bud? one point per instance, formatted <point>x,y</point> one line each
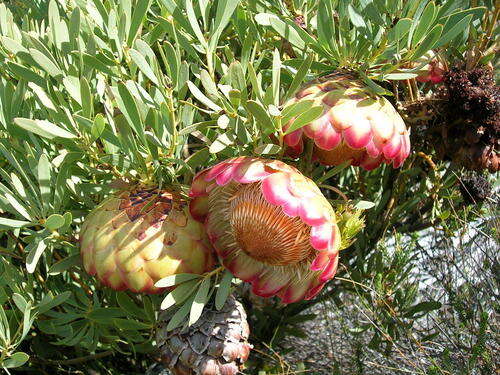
<point>136,237</point>
<point>215,345</point>
<point>433,70</point>
<point>356,125</point>
<point>270,225</point>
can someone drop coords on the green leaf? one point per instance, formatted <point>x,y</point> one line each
<point>179,316</point>
<point>225,9</point>
<point>223,290</point>
<point>429,42</point>
<point>43,128</point>
<point>15,360</point>
<point>179,294</point>
<point>202,98</point>
<point>64,264</point>
<point>18,206</point>
<point>299,76</point>
<point>46,63</point>
<point>200,299</point>
<point>44,180</point>
<point>12,224</point>
<point>18,185</point>
<point>449,35</point>
<point>363,205</point>
<point>128,305</point>
<point>36,249</point>
<point>194,23</point>
<point>86,97</point>
<point>355,17</point>
<point>128,106</point>
<point>140,10</point>
<point>399,76</point>
<point>305,118</point>
<point>262,117</point>
<point>296,109</point>
<point>54,221</point>
<point>128,324</point>
<point>175,279</point>
<point>53,302</point>
<point>221,142</point>
<point>288,32</point>
<point>276,77</point>
<point>20,301</point>
<point>143,66</point>
<point>267,149</point>
<point>424,23</point>
<point>12,45</point>
<point>42,96</point>
<point>400,30</point>
<point>97,64</point>
<point>26,74</point>
<point>97,127</point>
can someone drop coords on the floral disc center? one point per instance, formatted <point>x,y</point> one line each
<point>264,231</point>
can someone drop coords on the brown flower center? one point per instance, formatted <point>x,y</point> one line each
<point>264,232</point>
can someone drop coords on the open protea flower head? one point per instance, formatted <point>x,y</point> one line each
<point>269,224</point>
<point>217,344</point>
<point>356,125</point>
<point>136,237</point>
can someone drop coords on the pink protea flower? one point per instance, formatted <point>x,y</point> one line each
<point>355,126</point>
<point>269,224</point>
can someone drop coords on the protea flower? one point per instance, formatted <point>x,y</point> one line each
<point>356,125</point>
<point>269,224</point>
<point>136,237</point>
<point>216,344</point>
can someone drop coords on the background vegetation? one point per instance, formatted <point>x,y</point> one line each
<point>98,91</point>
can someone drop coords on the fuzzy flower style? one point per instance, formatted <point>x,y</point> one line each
<point>270,225</point>
<point>137,237</point>
<point>356,125</point>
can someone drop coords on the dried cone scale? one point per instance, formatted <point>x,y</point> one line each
<point>215,345</point>
<point>270,225</point>
<point>356,125</point>
<point>136,237</point>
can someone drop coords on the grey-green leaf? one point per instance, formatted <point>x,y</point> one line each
<point>223,290</point>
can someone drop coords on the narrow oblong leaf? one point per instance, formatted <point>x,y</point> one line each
<point>11,224</point>
<point>55,301</point>
<point>305,118</point>
<point>224,290</point>
<point>64,264</point>
<point>43,128</point>
<point>143,65</point>
<point>175,279</point>
<point>138,16</point>
<point>180,315</point>
<point>179,294</point>
<point>36,249</point>
<point>262,117</point>
<point>44,171</point>
<point>299,76</point>
<point>202,98</point>
<point>200,299</point>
